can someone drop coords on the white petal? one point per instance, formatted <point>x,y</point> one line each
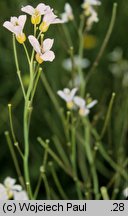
<point>68,8</point>
<point>64,17</point>
<point>14,20</point>
<point>42,8</point>
<point>18,30</point>
<point>73,92</point>
<point>28,9</point>
<point>8,25</point>
<point>49,17</point>
<point>62,95</point>
<point>22,20</point>
<point>16,188</point>
<point>48,56</point>
<point>9,182</point>
<point>47,44</point>
<point>80,102</point>
<point>20,195</point>
<point>92,104</point>
<point>3,193</point>
<point>67,91</point>
<point>34,42</point>
<point>57,21</point>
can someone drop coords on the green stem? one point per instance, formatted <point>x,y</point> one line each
<point>105,42</point>
<point>43,167</point>
<point>11,124</point>
<point>81,48</point>
<point>36,82</point>
<point>74,159</point>
<point>108,115</point>
<point>57,182</point>
<point>46,186</point>
<point>91,159</point>
<point>107,157</point>
<point>15,160</point>
<point>27,107</point>
<point>19,150</point>
<point>26,51</point>
<point>17,67</point>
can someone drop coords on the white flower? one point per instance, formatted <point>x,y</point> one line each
<point>68,96</point>
<point>88,6</point>
<point>125,192</point>
<point>10,190</point>
<point>91,19</point>
<point>22,195</point>
<point>68,14</point>
<point>48,19</point>
<point>43,52</point>
<point>36,13</point>
<point>3,193</point>
<point>84,108</point>
<point>11,187</point>
<point>79,62</point>
<point>16,26</point>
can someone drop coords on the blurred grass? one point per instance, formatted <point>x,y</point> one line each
<point>46,122</point>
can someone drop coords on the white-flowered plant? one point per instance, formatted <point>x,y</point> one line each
<point>68,13</point>
<point>16,26</point>
<point>93,18</point>
<point>36,13</point>
<point>10,190</point>
<point>42,47</point>
<point>84,108</point>
<point>73,101</point>
<point>68,96</point>
<point>89,11</point>
<point>48,19</point>
<point>43,51</point>
<point>89,4</point>
<point>78,62</point>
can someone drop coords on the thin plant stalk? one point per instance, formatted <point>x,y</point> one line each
<point>105,42</point>
<point>15,160</point>
<point>91,159</point>
<point>17,66</point>
<point>108,115</point>
<point>57,182</point>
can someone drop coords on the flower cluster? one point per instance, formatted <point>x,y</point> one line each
<point>89,11</point>
<point>68,13</point>
<point>16,26</point>
<point>73,101</point>
<point>10,190</point>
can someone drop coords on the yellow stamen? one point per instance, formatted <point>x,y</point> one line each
<point>38,59</point>
<point>43,27</point>
<point>35,19</point>
<point>21,38</point>
<point>10,194</point>
<point>70,105</point>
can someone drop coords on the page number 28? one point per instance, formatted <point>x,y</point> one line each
<point>118,207</point>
